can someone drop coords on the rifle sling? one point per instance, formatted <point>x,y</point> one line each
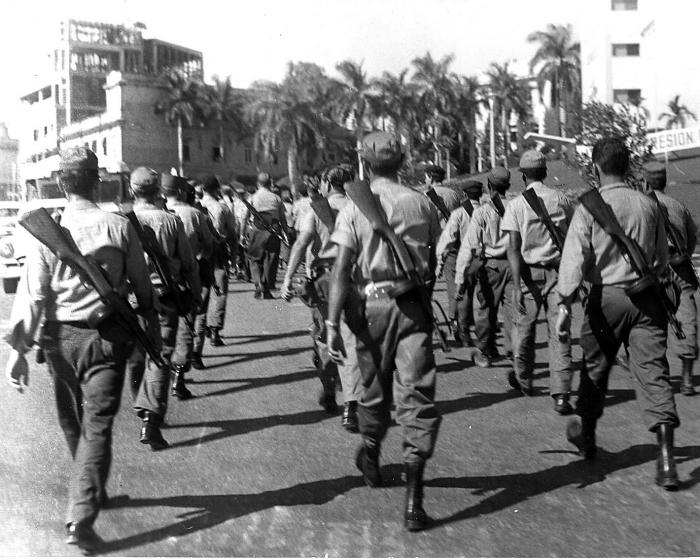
<point>438,202</point>
<point>469,207</point>
<point>534,203</point>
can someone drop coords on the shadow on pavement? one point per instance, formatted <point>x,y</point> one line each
<point>252,338</point>
<point>514,488</point>
<point>256,382</point>
<point>208,511</point>
<point>472,401</point>
<point>231,428</point>
<point>248,356</point>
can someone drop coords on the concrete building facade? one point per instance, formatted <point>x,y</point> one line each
<point>9,173</point>
<point>638,52</point>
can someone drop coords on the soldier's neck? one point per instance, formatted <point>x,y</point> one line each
<point>606,180</point>
<point>72,197</point>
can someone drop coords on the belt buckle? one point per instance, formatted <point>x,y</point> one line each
<point>373,291</point>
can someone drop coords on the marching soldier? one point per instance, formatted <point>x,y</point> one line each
<point>86,361</point>
<point>314,230</point>
<point>387,306</point>
<point>224,222</point>
<point>263,247</point>
<point>448,200</point>
<point>534,261</point>
<point>150,385</point>
<point>684,228</point>
<point>177,193</point>
<point>486,240</point>
<point>616,311</point>
<point>459,304</point>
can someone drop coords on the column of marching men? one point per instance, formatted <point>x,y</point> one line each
<point>372,252</point>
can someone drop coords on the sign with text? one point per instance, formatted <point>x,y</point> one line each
<point>674,139</point>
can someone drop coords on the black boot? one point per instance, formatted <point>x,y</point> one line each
<point>84,537</point>
<point>581,432</point>
<point>367,460</point>
<point>216,338</point>
<point>562,405</point>
<point>687,383</point>
<point>666,475</point>
<point>150,431</point>
<point>455,332</point>
<point>197,360</point>
<point>179,389</point>
<point>415,518</point>
<point>350,417</point>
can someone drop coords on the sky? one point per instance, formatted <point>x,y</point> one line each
<point>254,39</point>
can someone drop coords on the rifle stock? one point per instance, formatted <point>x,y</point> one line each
<point>604,215</point>
<point>42,226</point>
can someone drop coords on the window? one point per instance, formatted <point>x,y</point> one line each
<point>185,152</point>
<point>93,146</point>
<point>625,49</point>
<point>46,131</point>
<point>248,155</point>
<point>632,96</point>
<point>104,146</point>
<point>216,153</point>
<point>36,135</point>
<point>623,5</point>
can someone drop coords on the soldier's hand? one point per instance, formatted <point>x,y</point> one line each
<point>563,325</point>
<point>286,291</point>
<point>336,348</point>
<point>17,371</point>
<point>519,301</point>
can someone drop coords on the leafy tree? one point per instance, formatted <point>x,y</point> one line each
<point>225,106</point>
<point>557,60</point>
<point>184,104</point>
<point>398,99</point>
<point>468,101</point>
<point>509,96</point>
<point>677,115</point>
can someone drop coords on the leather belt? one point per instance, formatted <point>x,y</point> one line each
<point>387,289</point>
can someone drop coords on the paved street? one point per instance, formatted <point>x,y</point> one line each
<point>256,468</point>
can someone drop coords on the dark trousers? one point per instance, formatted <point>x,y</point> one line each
<point>150,385</point>
<point>395,356</point>
<point>612,318</point>
<point>216,308</point>
<point>88,371</point>
<point>263,265</point>
<point>492,287</point>
<point>458,309</point>
<point>687,314</point>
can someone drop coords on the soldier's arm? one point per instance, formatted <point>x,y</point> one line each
<point>206,239</point>
<point>137,271</point>
<point>188,264</point>
<point>575,255</point>
<point>298,251</point>
<point>340,282</point>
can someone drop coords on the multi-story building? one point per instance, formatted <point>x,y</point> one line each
<point>9,148</point>
<point>638,52</point>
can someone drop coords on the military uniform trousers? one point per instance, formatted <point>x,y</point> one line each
<point>349,371</point>
<point>612,318</point>
<point>687,314</point>
<point>182,346</point>
<point>264,261</point>
<point>395,354</point>
<point>540,295</point>
<point>88,371</point>
<point>459,309</point>
<point>150,385</point>
<point>492,287</point>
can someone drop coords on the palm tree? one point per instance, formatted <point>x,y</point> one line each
<point>184,104</point>
<point>357,99</point>
<point>282,115</point>
<point>398,100</point>
<point>436,95</point>
<point>225,106</point>
<point>558,60</point>
<point>677,115</point>
<point>508,96</point>
<point>467,104</point>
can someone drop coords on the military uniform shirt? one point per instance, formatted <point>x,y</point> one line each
<point>170,235</point>
<point>591,254</point>
<point>221,217</point>
<point>196,228</point>
<point>410,214</point>
<point>450,197</point>
<point>312,224</point>
<point>300,208</point>
<point>483,234</point>
<point>538,247</point>
<point>682,222</point>
<point>455,230</point>
<point>48,284</point>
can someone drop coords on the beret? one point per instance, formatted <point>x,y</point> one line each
<point>499,177</point>
<point>144,179</point>
<point>381,148</point>
<point>211,183</point>
<point>171,184</point>
<point>78,159</point>
<point>533,159</point>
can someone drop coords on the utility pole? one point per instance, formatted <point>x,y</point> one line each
<point>492,134</point>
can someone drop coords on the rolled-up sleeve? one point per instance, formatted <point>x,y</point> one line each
<point>576,252</point>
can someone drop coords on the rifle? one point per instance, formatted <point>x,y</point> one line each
<point>160,263</point>
<point>536,204</point>
<point>681,263</point>
<point>498,204</point>
<point>438,202</point>
<point>260,222</point>
<point>360,193</point>
<point>59,241</point>
<point>648,281</point>
<point>325,213</point>
<point>468,206</point>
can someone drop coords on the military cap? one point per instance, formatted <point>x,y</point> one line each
<point>211,183</point>
<point>499,177</point>
<point>144,179</point>
<point>171,184</point>
<point>264,179</point>
<point>435,171</point>
<point>655,174</point>
<point>381,148</point>
<point>533,159</point>
<point>78,159</point>
<point>473,187</point>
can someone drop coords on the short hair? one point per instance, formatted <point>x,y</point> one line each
<point>436,173</point>
<point>338,176</point>
<point>611,155</point>
<point>78,181</point>
<point>535,173</point>
<point>386,168</point>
